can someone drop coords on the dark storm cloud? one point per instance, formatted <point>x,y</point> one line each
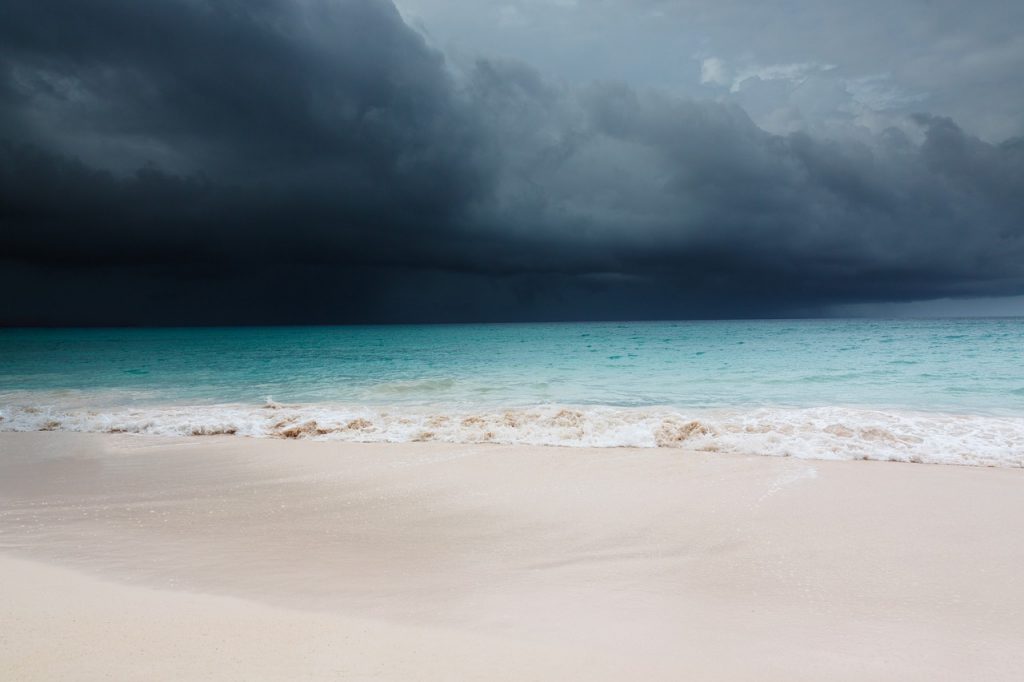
<point>316,161</point>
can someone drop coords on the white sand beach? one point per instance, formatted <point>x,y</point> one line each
<point>226,558</point>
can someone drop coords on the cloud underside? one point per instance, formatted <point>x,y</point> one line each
<point>314,161</point>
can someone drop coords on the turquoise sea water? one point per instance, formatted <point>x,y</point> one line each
<point>569,384</point>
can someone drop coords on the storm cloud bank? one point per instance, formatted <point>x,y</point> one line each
<point>273,161</point>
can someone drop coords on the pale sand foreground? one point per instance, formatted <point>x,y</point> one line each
<point>141,558</point>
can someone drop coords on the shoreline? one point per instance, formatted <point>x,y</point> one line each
<point>433,561</point>
<point>812,433</point>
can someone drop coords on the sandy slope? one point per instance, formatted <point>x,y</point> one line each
<point>227,558</point>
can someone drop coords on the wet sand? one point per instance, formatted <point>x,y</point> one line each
<point>137,557</point>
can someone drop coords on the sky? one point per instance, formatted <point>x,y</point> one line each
<point>357,161</point>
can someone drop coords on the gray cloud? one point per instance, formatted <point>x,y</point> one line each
<point>829,64</point>
<point>316,161</point>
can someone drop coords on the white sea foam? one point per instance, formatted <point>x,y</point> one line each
<point>814,433</point>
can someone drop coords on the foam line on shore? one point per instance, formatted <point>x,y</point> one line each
<point>814,433</point>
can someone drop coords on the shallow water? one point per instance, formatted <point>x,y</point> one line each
<point>915,390</point>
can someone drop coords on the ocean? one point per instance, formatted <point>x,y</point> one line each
<point>938,391</point>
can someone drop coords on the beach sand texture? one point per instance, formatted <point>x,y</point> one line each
<point>138,557</point>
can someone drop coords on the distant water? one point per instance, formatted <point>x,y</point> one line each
<point>912,390</point>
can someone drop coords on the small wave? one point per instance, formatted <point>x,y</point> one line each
<point>814,433</point>
<point>416,387</point>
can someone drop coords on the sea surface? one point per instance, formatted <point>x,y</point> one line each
<point>941,391</point>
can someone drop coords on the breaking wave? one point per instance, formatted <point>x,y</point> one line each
<point>815,433</point>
